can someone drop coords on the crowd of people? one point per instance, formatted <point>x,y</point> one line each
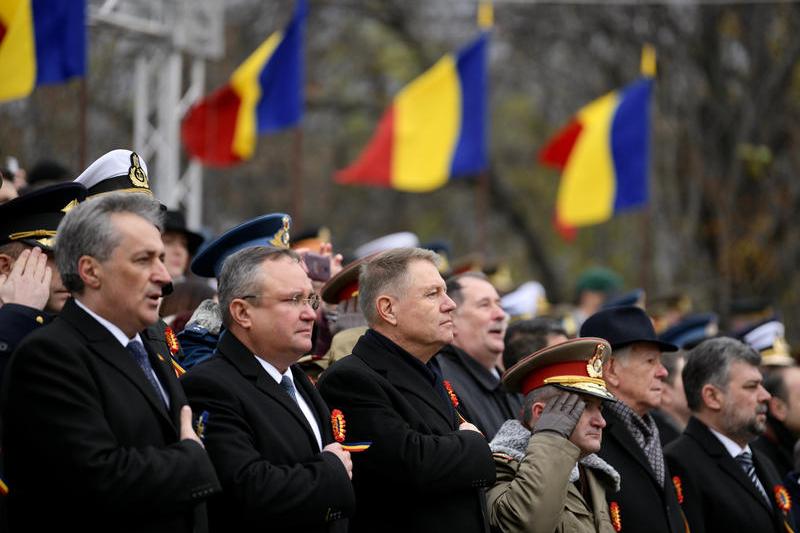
<point>153,382</point>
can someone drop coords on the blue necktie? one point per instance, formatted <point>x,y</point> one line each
<point>140,356</point>
<point>745,460</point>
<point>288,386</point>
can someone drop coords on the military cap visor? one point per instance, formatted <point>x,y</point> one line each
<point>33,218</point>
<point>266,230</point>
<point>575,365</point>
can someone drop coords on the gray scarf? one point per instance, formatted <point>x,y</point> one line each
<point>645,432</point>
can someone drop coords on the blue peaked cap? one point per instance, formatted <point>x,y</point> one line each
<point>266,230</point>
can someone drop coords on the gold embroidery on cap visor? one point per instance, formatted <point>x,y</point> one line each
<point>593,386</point>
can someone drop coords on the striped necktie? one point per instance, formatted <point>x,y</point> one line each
<point>288,386</point>
<point>745,460</point>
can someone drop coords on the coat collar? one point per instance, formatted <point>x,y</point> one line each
<point>101,342</point>
<point>479,374</point>
<point>698,431</point>
<point>387,358</point>
<point>243,360</point>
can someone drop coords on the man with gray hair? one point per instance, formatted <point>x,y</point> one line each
<point>725,485</point>
<point>425,467</point>
<point>96,425</point>
<point>472,362</point>
<point>267,429</point>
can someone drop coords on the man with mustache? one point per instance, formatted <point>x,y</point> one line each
<point>31,291</point>
<point>472,362</point>
<point>725,485</point>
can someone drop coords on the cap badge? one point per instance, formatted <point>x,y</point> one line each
<point>594,367</point>
<point>136,173</point>
<point>281,239</point>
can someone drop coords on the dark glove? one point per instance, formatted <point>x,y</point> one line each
<point>561,414</point>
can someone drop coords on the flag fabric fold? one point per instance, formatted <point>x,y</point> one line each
<point>603,156</point>
<point>434,130</point>
<point>41,42</point>
<point>264,95</point>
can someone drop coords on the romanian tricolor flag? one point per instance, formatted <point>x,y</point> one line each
<point>41,42</point>
<point>264,95</point>
<point>603,154</point>
<point>435,129</point>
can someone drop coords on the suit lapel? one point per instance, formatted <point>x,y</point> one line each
<point>315,403</point>
<point>403,376</point>
<point>245,362</point>
<point>725,462</point>
<point>107,348</point>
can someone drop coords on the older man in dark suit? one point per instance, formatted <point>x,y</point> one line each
<point>425,468</point>
<point>647,501</point>
<point>98,435</point>
<point>725,484</point>
<point>267,429</point>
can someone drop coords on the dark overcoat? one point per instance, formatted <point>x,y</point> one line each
<point>87,440</point>
<point>643,504</point>
<point>420,473</point>
<point>717,494</point>
<point>273,475</point>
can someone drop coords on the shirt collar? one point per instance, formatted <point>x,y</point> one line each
<point>113,329</point>
<point>732,448</point>
<point>274,372</point>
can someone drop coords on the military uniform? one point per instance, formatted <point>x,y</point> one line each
<point>537,489</point>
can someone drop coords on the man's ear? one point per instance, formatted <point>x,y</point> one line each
<point>386,308</point>
<point>240,313</point>
<point>536,413</point>
<point>6,263</point>
<point>712,397</point>
<point>611,371</point>
<point>91,271</point>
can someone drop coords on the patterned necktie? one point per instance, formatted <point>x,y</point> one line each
<point>288,386</point>
<point>140,356</point>
<point>745,460</point>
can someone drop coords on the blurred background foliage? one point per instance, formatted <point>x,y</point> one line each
<point>724,141</point>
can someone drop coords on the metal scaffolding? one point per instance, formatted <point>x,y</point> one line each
<point>177,31</point>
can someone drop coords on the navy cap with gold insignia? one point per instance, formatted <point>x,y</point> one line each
<point>575,365</point>
<point>34,217</point>
<point>769,339</point>
<point>117,171</point>
<point>266,230</point>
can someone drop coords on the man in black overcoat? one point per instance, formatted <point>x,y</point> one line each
<point>266,428</point>
<point>97,432</point>
<point>726,485</point>
<point>647,501</point>
<point>425,468</point>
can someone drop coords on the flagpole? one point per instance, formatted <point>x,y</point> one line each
<point>83,137</point>
<point>297,177</point>
<point>481,213</point>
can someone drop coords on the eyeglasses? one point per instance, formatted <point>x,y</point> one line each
<point>297,300</point>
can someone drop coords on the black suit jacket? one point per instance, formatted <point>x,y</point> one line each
<point>268,460</point>
<point>644,504</point>
<point>420,474</point>
<point>717,494</point>
<point>88,441</point>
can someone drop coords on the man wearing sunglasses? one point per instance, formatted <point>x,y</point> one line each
<point>266,428</point>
